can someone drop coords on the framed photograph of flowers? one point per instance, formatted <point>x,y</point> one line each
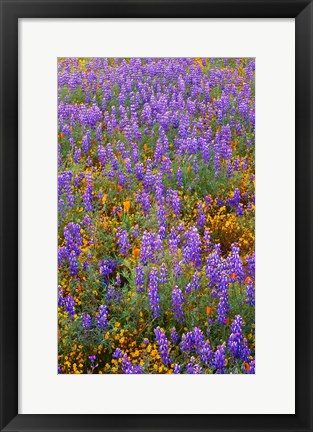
<point>156,215</point>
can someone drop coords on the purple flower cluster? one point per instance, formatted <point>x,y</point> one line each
<point>177,302</point>
<point>86,320</point>
<point>102,318</point>
<point>192,247</point>
<point>163,345</point>
<point>123,241</point>
<point>154,293</point>
<point>130,368</point>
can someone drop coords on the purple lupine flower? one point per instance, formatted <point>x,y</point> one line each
<point>177,302</point>
<point>153,293</point>
<point>223,307</point>
<point>118,280</point>
<point>102,318</point>
<point>246,352</point>
<point>77,154</point>
<point>73,263</point>
<point>207,245</point>
<point>106,267</point>
<point>177,369</point>
<point>163,345</point>
<point>219,359</point>
<point>101,155</point>
<point>235,341</point>
<point>86,320</point>
<point>60,297</point>
<point>147,247</point>
<point>205,352</point>
<point>178,268</point>
<point>208,200</point>
<point>73,238</point>
<point>250,293</point>
<point>195,282</point>
<point>187,343</point>
<point>251,367</point>
<point>139,278</point>
<point>173,241</point>
<point>163,274</point>
<point>173,200</point>
<point>64,186</point>
<point>179,177</point>
<point>93,365</point>
<point>69,305</point>
<point>193,367</point>
<point>174,336</point>
<point>117,353</point>
<point>135,231</point>
<point>192,247</point>
<point>130,368</point>
<point>123,241</point>
<point>201,218</point>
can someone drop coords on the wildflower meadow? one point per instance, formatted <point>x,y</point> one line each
<point>156,216</point>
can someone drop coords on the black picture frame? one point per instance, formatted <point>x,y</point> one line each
<point>11,11</point>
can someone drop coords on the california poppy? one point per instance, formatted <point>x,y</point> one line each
<point>126,206</point>
<point>247,280</point>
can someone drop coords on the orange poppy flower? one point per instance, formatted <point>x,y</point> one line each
<point>136,252</point>
<point>119,188</point>
<point>126,206</point>
<point>227,321</point>
<point>208,310</point>
<point>247,280</point>
<point>188,169</point>
<point>104,198</point>
<point>247,367</point>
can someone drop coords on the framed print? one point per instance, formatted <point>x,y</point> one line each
<point>155,215</point>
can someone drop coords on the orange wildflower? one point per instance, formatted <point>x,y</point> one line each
<point>208,310</point>
<point>136,252</point>
<point>247,367</point>
<point>119,188</point>
<point>227,321</point>
<point>188,169</point>
<point>247,280</point>
<point>104,198</point>
<point>126,206</point>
